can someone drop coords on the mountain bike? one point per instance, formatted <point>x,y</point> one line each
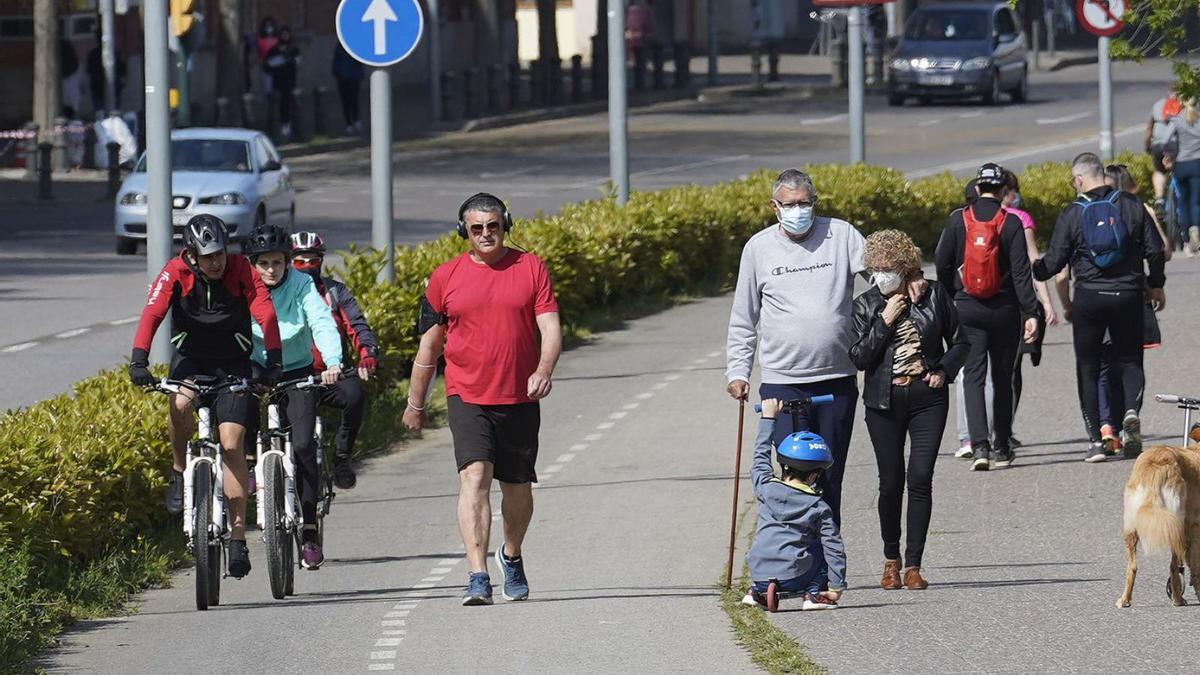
<point>205,521</point>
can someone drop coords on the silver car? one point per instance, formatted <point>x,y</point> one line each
<point>234,174</point>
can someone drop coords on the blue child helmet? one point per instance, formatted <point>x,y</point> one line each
<point>804,451</point>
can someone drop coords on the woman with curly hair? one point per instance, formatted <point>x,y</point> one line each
<point>908,340</point>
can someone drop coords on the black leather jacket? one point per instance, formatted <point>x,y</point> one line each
<point>943,342</point>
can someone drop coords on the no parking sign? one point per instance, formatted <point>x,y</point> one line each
<point>1101,17</point>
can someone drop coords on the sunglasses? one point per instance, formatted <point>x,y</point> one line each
<point>491,228</point>
<point>788,205</point>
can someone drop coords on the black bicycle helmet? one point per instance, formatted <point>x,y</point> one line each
<point>267,239</point>
<point>205,234</point>
<point>308,242</point>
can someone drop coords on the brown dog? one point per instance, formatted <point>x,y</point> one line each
<point>1162,510</point>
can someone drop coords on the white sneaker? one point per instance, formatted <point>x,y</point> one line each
<point>817,601</point>
<point>964,451</point>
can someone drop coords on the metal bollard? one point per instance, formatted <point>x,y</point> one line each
<point>470,80</point>
<point>273,116</point>
<point>249,119</point>
<point>318,108</point>
<point>639,68</point>
<point>656,58</point>
<point>576,78</point>
<point>756,78</point>
<point>495,82</point>
<point>537,93</point>
<point>514,85</point>
<point>114,167</point>
<point>683,60</point>
<point>448,109</point>
<point>60,144</point>
<point>773,61</point>
<point>557,91</point>
<point>29,149</point>
<point>1035,32</point>
<point>89,147</point>
<point>599,68</point>
<point>43,170</point>
<point>299,115</point>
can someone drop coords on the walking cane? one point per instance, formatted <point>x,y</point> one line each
<point>737,479</point>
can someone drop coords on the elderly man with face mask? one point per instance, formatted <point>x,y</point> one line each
<point>793,301</point>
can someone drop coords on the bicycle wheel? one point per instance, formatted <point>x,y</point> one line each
<point>289,579</point>
<point>275,535</point>
<point>201,517</point>
<point>216,563</point>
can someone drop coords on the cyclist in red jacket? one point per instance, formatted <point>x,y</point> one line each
<point>308,254</point>
<point>211,296</point>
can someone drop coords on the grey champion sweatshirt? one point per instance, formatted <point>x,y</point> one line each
<point>789,520</point>
<point>793,302</point>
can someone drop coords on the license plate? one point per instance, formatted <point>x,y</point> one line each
<point>179,219</point>
<point>936,80</point>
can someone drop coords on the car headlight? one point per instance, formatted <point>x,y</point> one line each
<point>227,199</point>
<point>977,63</point>
<point>901,64</point>
<point>133,199</point>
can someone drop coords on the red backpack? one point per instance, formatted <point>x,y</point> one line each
<point>981,254</point>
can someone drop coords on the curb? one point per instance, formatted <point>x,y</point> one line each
<point>1068,62</point>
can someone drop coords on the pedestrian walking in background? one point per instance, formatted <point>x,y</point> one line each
<point>349,74</point>
<point>1161,145</point>
<point>267,39</point>
<point>908,341</point>
<point>1111,286</point>
<point>283,61</point>
<point>492,310</point>
<point>72,78</point>
<point>792,304</point>
<point>1185,130</point>
<point>982,262</point>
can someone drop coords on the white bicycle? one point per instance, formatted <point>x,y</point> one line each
<point>204,517</point>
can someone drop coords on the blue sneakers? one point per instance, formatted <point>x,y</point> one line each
<point>479,590</point>
<point>516,586</point>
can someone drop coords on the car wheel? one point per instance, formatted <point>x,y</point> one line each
<point>126,246</point>
<point>1021,93</point>
<point>895,99</point>
<point>992,97</point>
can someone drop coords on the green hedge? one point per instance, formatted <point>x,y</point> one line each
<point>82,476</point>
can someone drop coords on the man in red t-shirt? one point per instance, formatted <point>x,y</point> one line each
<point>487,309</point>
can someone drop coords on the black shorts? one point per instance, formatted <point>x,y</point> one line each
<point>1156,156</point>
<point>505,435</point>
<point>229,407</point>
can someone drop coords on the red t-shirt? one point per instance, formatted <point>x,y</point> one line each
<point>491,337</point>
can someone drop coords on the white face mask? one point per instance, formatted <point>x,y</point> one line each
<point>888,282</point>
<point>797,220</point>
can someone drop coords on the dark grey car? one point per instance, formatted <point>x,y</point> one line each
<point>960,49</point>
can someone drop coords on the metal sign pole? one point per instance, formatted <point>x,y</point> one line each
<point>159,232</point>
<point>435,60</point>
<point>710,13</point>
<point>108,56</point>
<point>381,171</point>
<point>1106,110</point>
<point>857,76</point>
<point>618,105</point>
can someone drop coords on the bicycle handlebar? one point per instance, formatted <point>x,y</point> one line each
<point>169,386</point>
<point>823,399</point>
<point>1177,400</point>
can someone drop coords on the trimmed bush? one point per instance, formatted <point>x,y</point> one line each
<point>81,476</point>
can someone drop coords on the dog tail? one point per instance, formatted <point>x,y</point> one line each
<point>1155,499</point>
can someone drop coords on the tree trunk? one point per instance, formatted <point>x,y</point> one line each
<point>230,57</point>
<point>487,32</point>
<point>547,31</point>
<point>47,81</point>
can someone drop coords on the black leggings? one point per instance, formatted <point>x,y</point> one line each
<point>347,395</point>
<point>920,413</point>
<point>348,93</point>
<point>1119,313</point>
<point>300,412</point>
<point>994,332</point>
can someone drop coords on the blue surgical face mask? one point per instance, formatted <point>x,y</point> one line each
<point>796,220</point>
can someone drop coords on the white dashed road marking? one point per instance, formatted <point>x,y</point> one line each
<point>631,406</point>
<point>381,666</point>
<point>564,458</point>
<point>604,425</point>
<point>618,415</point>
<point>18,347</point>
<point>122,322</point>
<point>72,333</point>
<point>553,468</point>
<point>578,447</point>
<point>593,437</point>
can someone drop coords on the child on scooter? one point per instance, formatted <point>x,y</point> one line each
<point>797,547</point>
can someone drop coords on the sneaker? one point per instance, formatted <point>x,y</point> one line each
<point>516,586</point>
<point>1095,453</point>
<point>479,590</point>
<point>1131,434</point>
<point>981,457</point>
<point>1002,457</point>
<point>817,601</point>
<point>1108,436</point>
<point>311,556</point>
<point>964,451</point>
<point>1014,442</point>
<point>239,558</point>
<point>343,473</point>
<point>754,599</point>
<point>174,499</point>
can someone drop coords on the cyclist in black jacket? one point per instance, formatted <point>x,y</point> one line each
<point>995,326</point>
<point>1107,300</point>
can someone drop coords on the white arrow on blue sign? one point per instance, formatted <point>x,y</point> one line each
<point>379,32</point>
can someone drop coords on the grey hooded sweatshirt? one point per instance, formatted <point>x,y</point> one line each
<point>789,520</point>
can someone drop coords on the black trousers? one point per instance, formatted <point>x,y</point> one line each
<point>347,395</point>
<point>993,329</point>
<point>918,412</point>
<point>300,417</point>
<point>348,93</point>
<point>1120,315</point>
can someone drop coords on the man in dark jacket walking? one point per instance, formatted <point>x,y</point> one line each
<point>995,324</point>
<point>1108,298</point>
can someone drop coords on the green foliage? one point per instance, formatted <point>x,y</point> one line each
<point>1160,27</point>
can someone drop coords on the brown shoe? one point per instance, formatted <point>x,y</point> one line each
<point>891,575</point>
<point>913,579</point>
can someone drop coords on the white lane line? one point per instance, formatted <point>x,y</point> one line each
<point>393,622</point>
<point>1005,157</point>
<point>929,123</point>
<point>441,570</point>
<point>713,355</point>
<point>388,642</point>
<point>631,406</point>
<point>618,415</point>
<point>604,425</point>
<point>1063,120</point>
<point>424,585</point>
<point>72,333</point>
<point>689,165</point>
<point>823,120</point>
<point>381,666</point>
<point>18,347</point>
<point>553,468</point>
<point>511,172</point>
<point>396,615</point>
<point>378,656</point>
<point>578,447</point>
<point>971,115</point>
<point>394,632</point>
<point>700,361</point>
<point>432,578</point>
<point>661,385</point>
<point>645,395</point>
<point>450,561</point>
<point>565,457</point>
<point>672,377</point>
<point>122,322</point>
<point>407,604</point>
<point>593,437</point>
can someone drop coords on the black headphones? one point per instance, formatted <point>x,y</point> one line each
<point>505,216</point>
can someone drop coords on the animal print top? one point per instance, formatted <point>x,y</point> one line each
<point>907,359</point>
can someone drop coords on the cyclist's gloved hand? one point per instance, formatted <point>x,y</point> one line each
<point>139,369</point>
<point>273,371</point>
<point>368,362</point>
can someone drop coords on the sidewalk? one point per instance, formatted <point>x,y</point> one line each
<point>1024,564</point>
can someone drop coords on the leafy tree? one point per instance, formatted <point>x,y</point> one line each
<point>1160,27</point>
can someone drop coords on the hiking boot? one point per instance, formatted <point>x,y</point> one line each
<point>817,601</point>
<point>891,575</point>
<point>311,556</point>
<point>479,590</point>
<point>1095,453</point>
<point>174,499</point>
<point>964,451</point>
<point>1108,436</point>
<point>343,473</point>
<point>239,558</point>
<point>1002,457</point>
<point>981,456</point>
<point>516,586</point>
<point>1131,434</point>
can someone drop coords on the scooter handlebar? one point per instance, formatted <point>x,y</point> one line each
<point>823,399</point>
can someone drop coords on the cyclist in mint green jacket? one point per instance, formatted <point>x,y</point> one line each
<point>304,320</point>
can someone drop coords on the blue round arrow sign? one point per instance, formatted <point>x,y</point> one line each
<point>379,32</point>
